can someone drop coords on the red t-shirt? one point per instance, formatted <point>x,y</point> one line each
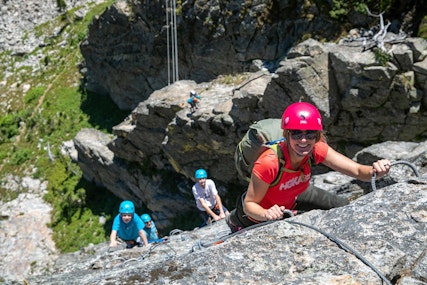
<point>293,182</point>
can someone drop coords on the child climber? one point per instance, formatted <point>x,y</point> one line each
<point>128,227</point>
<point>151,230</point>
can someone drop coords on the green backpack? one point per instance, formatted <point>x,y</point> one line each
<point>261,135</point>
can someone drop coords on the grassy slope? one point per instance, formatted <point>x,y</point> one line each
<point>53,110</point>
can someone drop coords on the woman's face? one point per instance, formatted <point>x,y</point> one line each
<point>302,142</point>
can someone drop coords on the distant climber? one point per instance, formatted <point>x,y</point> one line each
<point>207,198</point>
<point>193,101</point>
<point>151,230</point>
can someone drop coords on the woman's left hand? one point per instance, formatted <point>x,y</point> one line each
<point>380,167</point>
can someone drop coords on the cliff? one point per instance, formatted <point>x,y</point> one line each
<point>151,156</point>
<point>361,102</point>
<point>380,238</point>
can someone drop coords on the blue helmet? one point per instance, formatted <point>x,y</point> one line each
<point>127,207</point>
<point>145,218</point>
<point>200,173</point>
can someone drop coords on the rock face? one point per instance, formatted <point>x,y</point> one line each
<point>122,55</point>
<point>379,238</point>
<point>154,152</point>
<point>126,51</point>
<point>19,18</point>
<point>213,38</point>
<point>26,242</point>
<point>360,101</point>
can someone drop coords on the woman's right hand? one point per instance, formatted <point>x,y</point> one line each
<point>274,213</point>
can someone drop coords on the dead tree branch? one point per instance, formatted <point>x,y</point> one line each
<point>374,37</point>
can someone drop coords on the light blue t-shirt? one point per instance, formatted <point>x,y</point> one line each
<point>151,232</point>
<point>129,231</point>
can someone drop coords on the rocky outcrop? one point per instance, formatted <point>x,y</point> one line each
<point>132,172</point>
<point>213,38</point>
<point>101,166</point>
<point>379,238</point>
<point>155,151</point>
<point>361,102</point>
<point>19,18</point>
<point>126,51</point>
<point>26,242</point>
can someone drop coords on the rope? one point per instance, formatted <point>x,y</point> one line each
<point>414,168</point>
<point>175,232</point>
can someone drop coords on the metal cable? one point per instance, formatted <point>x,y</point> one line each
<point>200,245</point>
<point>347,248</point>
<point>414,168</point>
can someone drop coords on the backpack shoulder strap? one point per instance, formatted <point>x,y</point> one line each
<point>281,157</point>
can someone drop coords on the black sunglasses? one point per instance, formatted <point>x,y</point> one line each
<point>298,135</point>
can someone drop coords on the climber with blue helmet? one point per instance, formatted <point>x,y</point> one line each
<point>151,230</point>
<point>128,227</point>
<point>207,198</point>
<point>193,101</point>
<point>146,218</point>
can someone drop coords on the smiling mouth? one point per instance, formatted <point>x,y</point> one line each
<point>302,149</point>
<point>303,146</point>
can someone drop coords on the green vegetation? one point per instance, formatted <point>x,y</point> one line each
<point>61,4</point>
<point>382,57</point>
<point>341,8</point>
<point>9,127</point>
<point>78,206</point>
<point>232,79</point>
<point>52,111</point>
<point>46,106</point>
<point>422,32</point>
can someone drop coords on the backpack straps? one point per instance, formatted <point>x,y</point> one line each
<point>281,157</point>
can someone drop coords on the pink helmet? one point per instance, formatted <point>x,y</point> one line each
<point>301,116</point>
